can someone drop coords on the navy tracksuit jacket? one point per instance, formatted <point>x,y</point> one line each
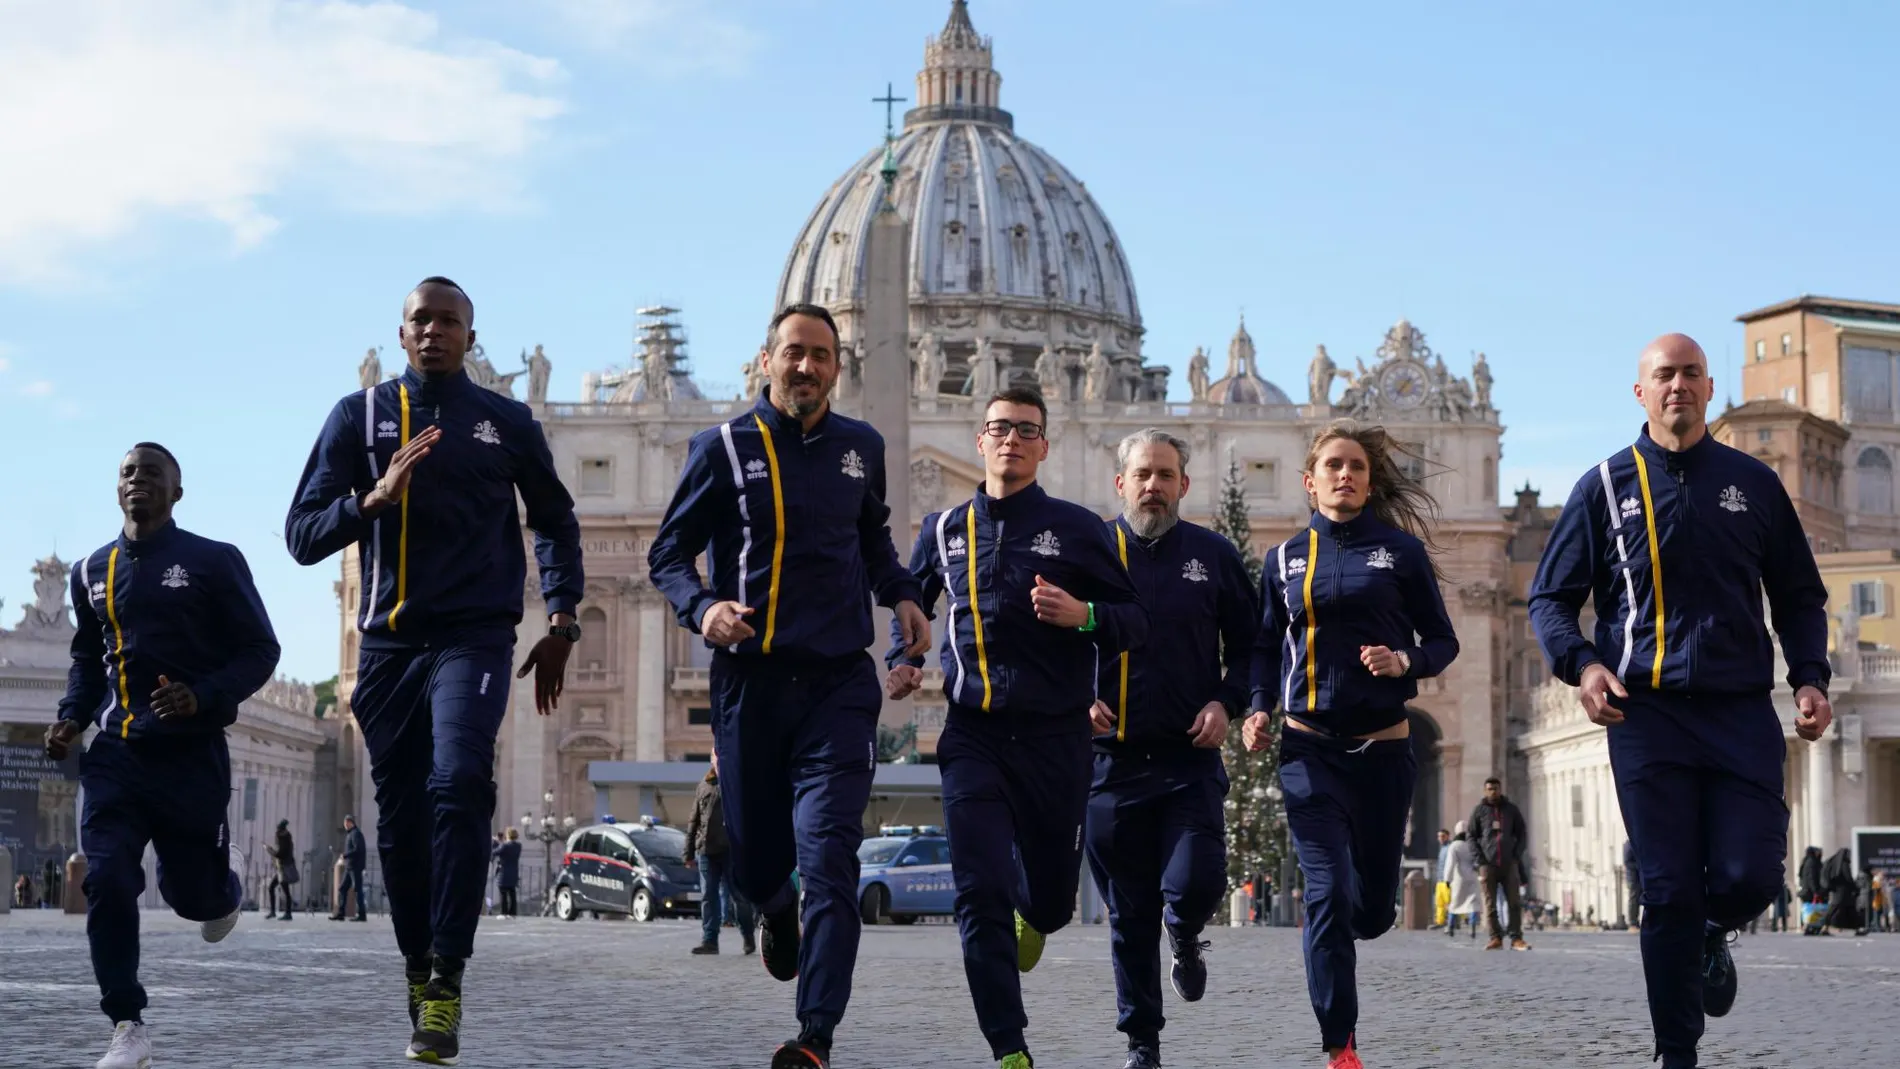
<point>1014,752</point>
<point>1327,592</point>
<point>794,525</point>
<point>183,607</point>
<point>1675,550</point>
<point>1155,834</point>
<point>442,576</point>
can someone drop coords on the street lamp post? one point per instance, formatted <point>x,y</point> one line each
<point>547,831</point>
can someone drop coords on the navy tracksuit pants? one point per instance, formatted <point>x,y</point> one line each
<point>429,718</point>
<point>1699,781</point>
<point>172,793</point>
<point>1347,801</point>
<point>797,744</point>
<point>1156,842</point>
<point>1015,793</point>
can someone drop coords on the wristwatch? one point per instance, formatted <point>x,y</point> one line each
<point>570,632</point>
<point>1405,662</point>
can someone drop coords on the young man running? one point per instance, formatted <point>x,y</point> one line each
<point>787,502</point>
<point>1675,540</point>
<point>1156,829</point>
<point>421,473</point>
<point>1038,597</point>
<point>171,638</point>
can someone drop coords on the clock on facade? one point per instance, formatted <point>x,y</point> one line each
<point>1403,384</point>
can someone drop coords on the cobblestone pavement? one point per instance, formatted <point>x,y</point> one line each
<point>603,994</point>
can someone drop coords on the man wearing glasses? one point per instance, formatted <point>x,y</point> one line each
<point>1038,597</point>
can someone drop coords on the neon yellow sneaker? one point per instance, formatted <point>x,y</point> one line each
<point>438,1036</point>
<point>1018,1060</point>
<point>1028,953</point>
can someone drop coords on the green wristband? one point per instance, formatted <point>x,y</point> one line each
<point>1090,625</point>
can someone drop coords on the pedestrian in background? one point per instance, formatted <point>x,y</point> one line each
<point>710,851</point>
<point>1498,837</point>
<point>1463,863</point>
<point>284,877</point>
<point>1441,881</point>
<point>355,858</point>
<point>1633,885</point>
<point>508,871</point>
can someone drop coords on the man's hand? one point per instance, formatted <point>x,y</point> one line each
<point>1210,726</point>
<point>1813,713</point>
<point>691,861</point>
<point>59,738</point>
<point>1102,718</point>
<point>1596,687</point>
<point>915,627</point>
<point>1256,732</point>
<point>390,488</point>
<point>1381,661</point>
<point>903,681</point>
<point>172,701</point>
<point>548,658</point>
<point>1057,606</point>
<point>723,623</point>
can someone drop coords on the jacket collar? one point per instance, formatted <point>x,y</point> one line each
<point>423,388</point>
<point>784,424</point>
<point>137,547</point>
<point>1688,458</point>
<point>1023,502</point>
<point>1169,539</point>
<point>1357,529</point>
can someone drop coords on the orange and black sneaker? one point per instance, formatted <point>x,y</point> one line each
<point>1346,1059</point>
<point>801,1054</point>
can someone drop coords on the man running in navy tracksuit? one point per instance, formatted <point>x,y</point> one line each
<point>1038,599</point>
<point>1674,540</point>
<point>171,637</point>
<point>790,498</point>
<point>420,473</point>
<point>1156,837</point>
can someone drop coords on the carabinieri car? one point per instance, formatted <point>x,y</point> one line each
<point>636,869</point>
<point>904,873</point>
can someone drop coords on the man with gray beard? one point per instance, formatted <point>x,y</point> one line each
<point>1154,833</point>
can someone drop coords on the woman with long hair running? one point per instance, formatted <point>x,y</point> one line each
<point>1353,619</point>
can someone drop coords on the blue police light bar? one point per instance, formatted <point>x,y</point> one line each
<point>607,818</point>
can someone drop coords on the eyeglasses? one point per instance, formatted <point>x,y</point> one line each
<point>1000,428</point>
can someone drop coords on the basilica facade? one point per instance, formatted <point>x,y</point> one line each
<point>1015,277</point>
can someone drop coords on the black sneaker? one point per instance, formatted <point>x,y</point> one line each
<point>438,1035</point>
<point>706,948</point>
<point>751,947</point>
<point>1190,968</point>
<point>415,975</point>
<point>1718,974</point>
<point>801,1054</point>
<point>778,943</point>
<point>1143,1056</point>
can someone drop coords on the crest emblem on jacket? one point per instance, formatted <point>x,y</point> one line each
<point>1380,558</point>
<point>176,576</point>
<point>485,433</point>
<point>1630,507</point>
<point>954,547</point>
<point>755,469</point>
<point>1046,544</point>
<point>1194,571</point>
<point>853,464</point>
<point>1734,500</point>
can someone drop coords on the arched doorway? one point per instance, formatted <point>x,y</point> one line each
<point>1421,842</point>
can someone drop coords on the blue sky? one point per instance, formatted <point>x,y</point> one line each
<point>210,209</point>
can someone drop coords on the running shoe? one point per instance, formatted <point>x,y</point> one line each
<point>1143,1057</point>
<point>131,1048</point>
<point>438,1036</point>
<point>1345,1059</point>
<point>1718,974</point>
<point>778,943</point>
<point>801,1054</point>
<point>415,975</point>
<point>1189,974</point>
<point>1028,948</point>
<point>1018,1060</point>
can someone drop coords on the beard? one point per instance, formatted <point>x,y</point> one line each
<point>1151,525</point>
<point>801,407</point>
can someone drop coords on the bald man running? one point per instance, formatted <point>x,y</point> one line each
<point>1675,539</point>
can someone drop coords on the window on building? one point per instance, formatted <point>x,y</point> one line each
<point>597,476</point>
<point>1869,394</point>
<point>1873,471</point>
<point>1787,344</point>
<point>1576,805</point>
<point>1764,436</point>
<point>593,651</point>
<point>699,716</point>
<point>1411,459</point>
<point>1262,478</point>
<point>1790,395</point>
<point>250,797</point>
<point>1761,350</point>
<point>1870,598</point>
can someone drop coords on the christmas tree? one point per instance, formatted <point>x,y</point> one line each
<point>1256,832</point>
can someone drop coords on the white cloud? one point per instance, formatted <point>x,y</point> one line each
<point>668,37</point>
<point>116,114</point>
<point>37,388</point>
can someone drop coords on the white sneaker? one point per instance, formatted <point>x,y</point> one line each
<point>130,1049</point>
<point>215,930</point>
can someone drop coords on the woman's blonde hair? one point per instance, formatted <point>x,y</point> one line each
<point>1394,496</point>
<point>512,833</point>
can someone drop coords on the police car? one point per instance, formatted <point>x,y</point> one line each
<point>904,874</point>
<point>637,868</point>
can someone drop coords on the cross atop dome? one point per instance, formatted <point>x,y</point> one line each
<point>958,81</point>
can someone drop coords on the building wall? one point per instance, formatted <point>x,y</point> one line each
<point>1842,571</point>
